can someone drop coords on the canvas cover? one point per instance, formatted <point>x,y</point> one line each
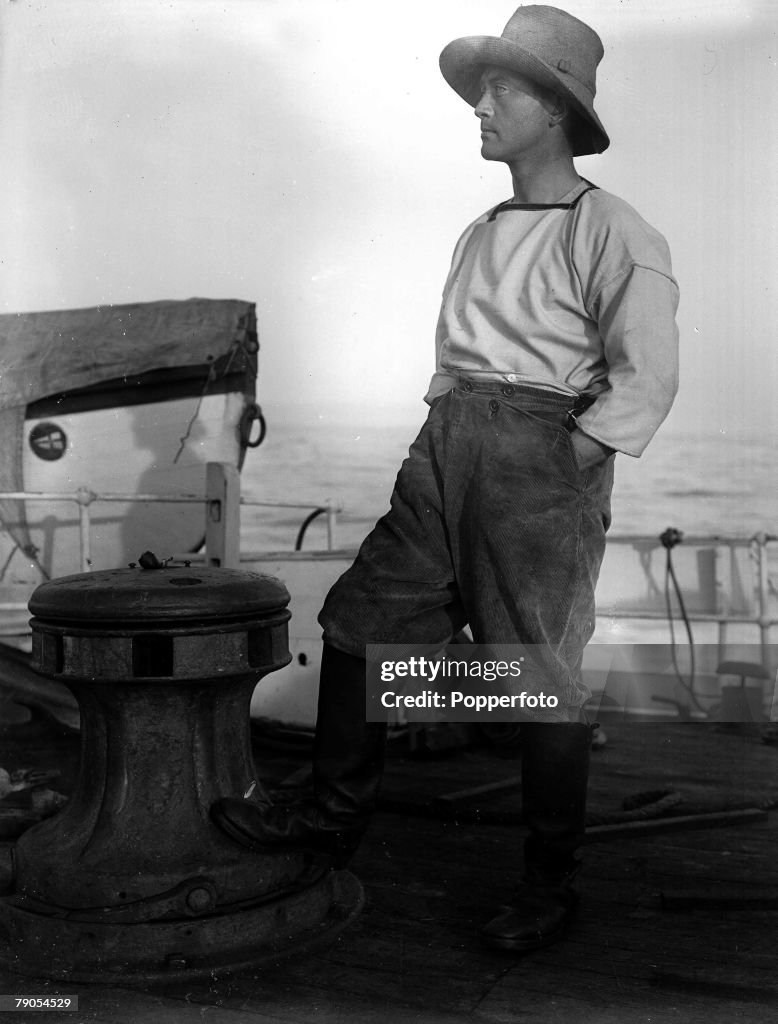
<point>48,353</point>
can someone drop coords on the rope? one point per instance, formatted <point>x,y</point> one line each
<point>640,807</point>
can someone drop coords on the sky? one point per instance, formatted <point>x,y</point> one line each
<point>307,155</point>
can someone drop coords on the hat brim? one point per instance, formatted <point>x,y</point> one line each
<point>462,63</point>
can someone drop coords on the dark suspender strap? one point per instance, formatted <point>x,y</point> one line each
<point>510,205</point>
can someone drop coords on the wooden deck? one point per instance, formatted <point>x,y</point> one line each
<point>679,921</point>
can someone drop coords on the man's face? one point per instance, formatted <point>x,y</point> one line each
<point>514,114</point>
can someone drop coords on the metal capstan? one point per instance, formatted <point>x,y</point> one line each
<point>131,877</point>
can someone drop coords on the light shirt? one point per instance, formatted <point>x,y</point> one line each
<point>580,300</point>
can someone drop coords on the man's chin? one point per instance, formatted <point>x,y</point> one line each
<point>488,152</point>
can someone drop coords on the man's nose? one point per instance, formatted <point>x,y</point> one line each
<point>483,108</point>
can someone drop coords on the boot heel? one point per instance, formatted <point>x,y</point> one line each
<point>536,916</point>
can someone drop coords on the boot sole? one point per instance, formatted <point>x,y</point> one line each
<point>524,946</point>
<point>529,945</point>
<point>279,846</point>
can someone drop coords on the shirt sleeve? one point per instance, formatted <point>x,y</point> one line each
<point>633,298</point>
<point>442,380</point>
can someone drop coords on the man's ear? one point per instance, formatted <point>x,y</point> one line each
<point>557,110</point>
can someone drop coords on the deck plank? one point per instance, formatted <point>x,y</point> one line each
<point>414,955</point>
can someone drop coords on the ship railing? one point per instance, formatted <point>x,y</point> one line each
<point>222,502</point>
<point>717,582</point>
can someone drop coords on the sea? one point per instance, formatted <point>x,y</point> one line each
<point>703,485</point>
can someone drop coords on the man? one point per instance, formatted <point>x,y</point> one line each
<point>556,347</point>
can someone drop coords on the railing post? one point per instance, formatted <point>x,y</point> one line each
<point>222,515</point>
<point>85,498</point>
<point>763,595</point>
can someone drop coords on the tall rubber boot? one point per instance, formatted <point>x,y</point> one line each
<point>348,764</point>
<point>554,774</point>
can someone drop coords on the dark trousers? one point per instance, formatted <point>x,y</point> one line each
<point>492,523</point>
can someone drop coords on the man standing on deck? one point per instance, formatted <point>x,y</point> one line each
<point>556,347</point>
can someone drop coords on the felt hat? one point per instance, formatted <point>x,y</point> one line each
<point>549,46</point>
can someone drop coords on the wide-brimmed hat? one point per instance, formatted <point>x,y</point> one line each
<point>547,45</point>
